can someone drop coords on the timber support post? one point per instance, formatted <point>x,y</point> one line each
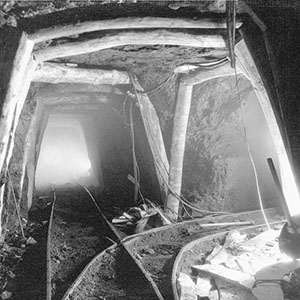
<point>182,111</point>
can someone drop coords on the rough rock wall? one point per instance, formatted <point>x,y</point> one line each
<point>217,171</point>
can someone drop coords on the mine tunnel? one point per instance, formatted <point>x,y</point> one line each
<point>139,143</point>
<point>93,146</point>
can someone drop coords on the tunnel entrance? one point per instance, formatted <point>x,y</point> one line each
<point>64,158</point>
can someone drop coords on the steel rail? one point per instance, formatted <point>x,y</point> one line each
<point>131,254</point>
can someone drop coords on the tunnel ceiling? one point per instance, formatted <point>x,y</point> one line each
<point>152,65</point>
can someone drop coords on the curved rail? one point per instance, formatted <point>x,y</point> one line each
<point>122,243</point>
<point>202,240</point>
<point>79,279</point>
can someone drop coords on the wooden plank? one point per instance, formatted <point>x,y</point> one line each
<point>154,37</point>
<point>155,139</point>
<point>246,63</point>
<point>126,23</point>
<point>58,73</point>
<point>255,216</point>
<point>222,272</point>
<point>202,245</point>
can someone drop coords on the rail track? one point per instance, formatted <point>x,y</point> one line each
<point>77,231</point>
<point>87,259</point>
<point>110,273</point>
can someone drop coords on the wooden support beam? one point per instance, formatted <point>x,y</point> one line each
<point>23,68</point>
<point>77,98</point>
<point>155,139</point>
<point>153,37</point>
<point>58,73</point>
<point>126,23</point>
<point>64,88</point>
<point>248,67</point>
<point>182,110</point>
<point>14,92</point>
<point>181,116</point>
<point>72,108</point>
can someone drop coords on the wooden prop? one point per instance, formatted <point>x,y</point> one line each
<point>17,89</point>
<point>181,116</point>
<point>184,98</point>
<point>246,63</point>
<point>155,139</point>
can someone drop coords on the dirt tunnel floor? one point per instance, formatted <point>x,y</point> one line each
<point>78,235</point>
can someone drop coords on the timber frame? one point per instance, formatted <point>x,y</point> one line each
<point>31,65</point>
<point>246,66</point>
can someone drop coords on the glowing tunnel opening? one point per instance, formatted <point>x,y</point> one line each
<point>63,155</point>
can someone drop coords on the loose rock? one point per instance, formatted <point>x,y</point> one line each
<point>6,295</point>
<point>31,241</point>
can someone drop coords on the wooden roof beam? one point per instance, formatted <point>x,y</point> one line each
<point>153,37</point>
<point>64,88</point>
<point>60,73</point>
<point>78,98</point>
<point>126,23</point>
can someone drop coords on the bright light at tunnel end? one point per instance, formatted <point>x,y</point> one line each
<point>64,156</point>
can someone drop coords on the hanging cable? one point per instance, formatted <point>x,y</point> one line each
<point>207,65</point>
<point>250,153</point>
<point>159,86</point>
<point>231,23</point>
<point>16,204</point>
<point>187,212</point>
<point>135,165</point>
<point>49,270</point>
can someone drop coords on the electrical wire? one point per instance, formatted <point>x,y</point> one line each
<point>187,212</point>
<point>49,265</point>
<point>113,229</point>
<point>209,65</point>
<point>159,86</point>
<point>136,171</point>
<point>250,152</point>
<point>179,197</point>
<point>16,204</point>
